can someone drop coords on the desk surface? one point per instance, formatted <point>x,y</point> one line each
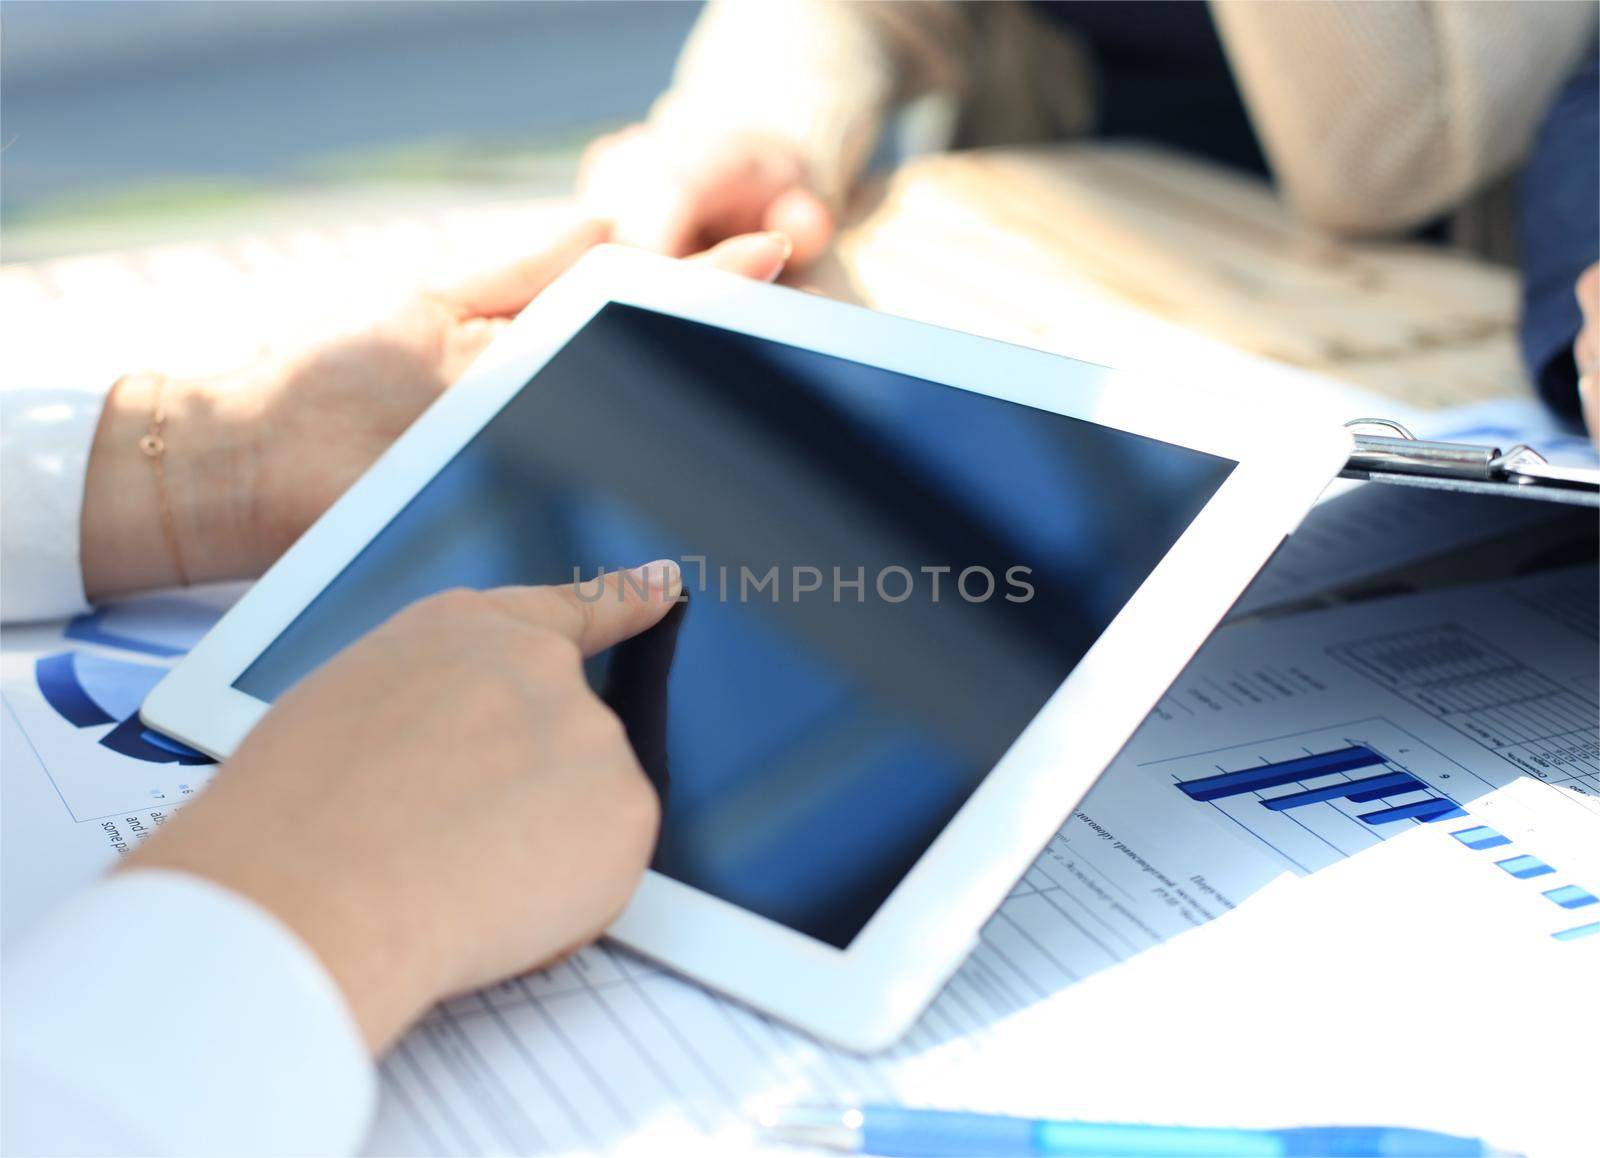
<point>602,1049</point>
<point>1079,249</point>
<point>1035,245</point>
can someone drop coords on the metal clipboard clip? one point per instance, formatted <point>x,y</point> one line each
<point>1398,456</point>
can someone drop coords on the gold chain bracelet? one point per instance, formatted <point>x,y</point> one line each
<point>153,445</point>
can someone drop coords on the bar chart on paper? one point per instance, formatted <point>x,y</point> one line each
<point>1476,732</point>
<point>1317,797</point>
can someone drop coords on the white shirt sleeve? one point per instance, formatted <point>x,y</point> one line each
<point>45,438</point>
<point>158,1013</point>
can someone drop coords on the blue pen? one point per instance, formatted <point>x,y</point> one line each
<point>893,1130</point>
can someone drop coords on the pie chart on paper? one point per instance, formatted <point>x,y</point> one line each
<point>91,691</point>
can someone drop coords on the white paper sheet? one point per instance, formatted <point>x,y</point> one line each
<point>1414,984</point>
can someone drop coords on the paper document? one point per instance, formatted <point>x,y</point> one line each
<point>1411,984</point>
<point>1307,735</point>
<point>1463,721</point>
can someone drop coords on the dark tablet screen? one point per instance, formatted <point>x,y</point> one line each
<point>887,577</point>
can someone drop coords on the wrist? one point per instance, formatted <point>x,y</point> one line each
<point>166,501</point>
<point>388,972</point>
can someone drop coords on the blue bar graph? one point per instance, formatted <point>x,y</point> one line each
<point>1372,788</point>
<point>1571,896</point>
<point>1289,803</point>
<point>1405,783</point>
<point>1480,837</point>
<point>1525,866</point>
<point>1430,809</point>
<point>1248,780</point>
<point>1574,933</point>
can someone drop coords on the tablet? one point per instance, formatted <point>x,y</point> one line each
<point>934,583</point>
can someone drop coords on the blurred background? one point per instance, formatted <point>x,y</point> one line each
<point>342,152</point>
<point>127,124</point>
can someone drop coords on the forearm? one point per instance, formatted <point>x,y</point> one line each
<point>1378,117</point>
<point>165,503</point>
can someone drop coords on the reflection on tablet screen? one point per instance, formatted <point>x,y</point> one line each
<point>887,578</point>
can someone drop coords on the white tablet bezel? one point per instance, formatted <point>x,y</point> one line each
<point>866,995</point>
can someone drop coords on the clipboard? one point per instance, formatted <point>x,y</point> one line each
<point>1398,457</point>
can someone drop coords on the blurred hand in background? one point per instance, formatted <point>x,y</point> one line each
<point>1586,350</point>
<point>676,194</point>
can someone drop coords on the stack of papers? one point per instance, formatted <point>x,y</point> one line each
<point>1428,764</point>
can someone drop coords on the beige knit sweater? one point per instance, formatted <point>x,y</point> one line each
<point>1375,114</point>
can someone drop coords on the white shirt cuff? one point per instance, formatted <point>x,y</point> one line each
<point>160,1013</point>
<point>45,439</point>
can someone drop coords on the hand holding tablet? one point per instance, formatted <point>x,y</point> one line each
<point>933,583</point>
<point>254,457</point>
